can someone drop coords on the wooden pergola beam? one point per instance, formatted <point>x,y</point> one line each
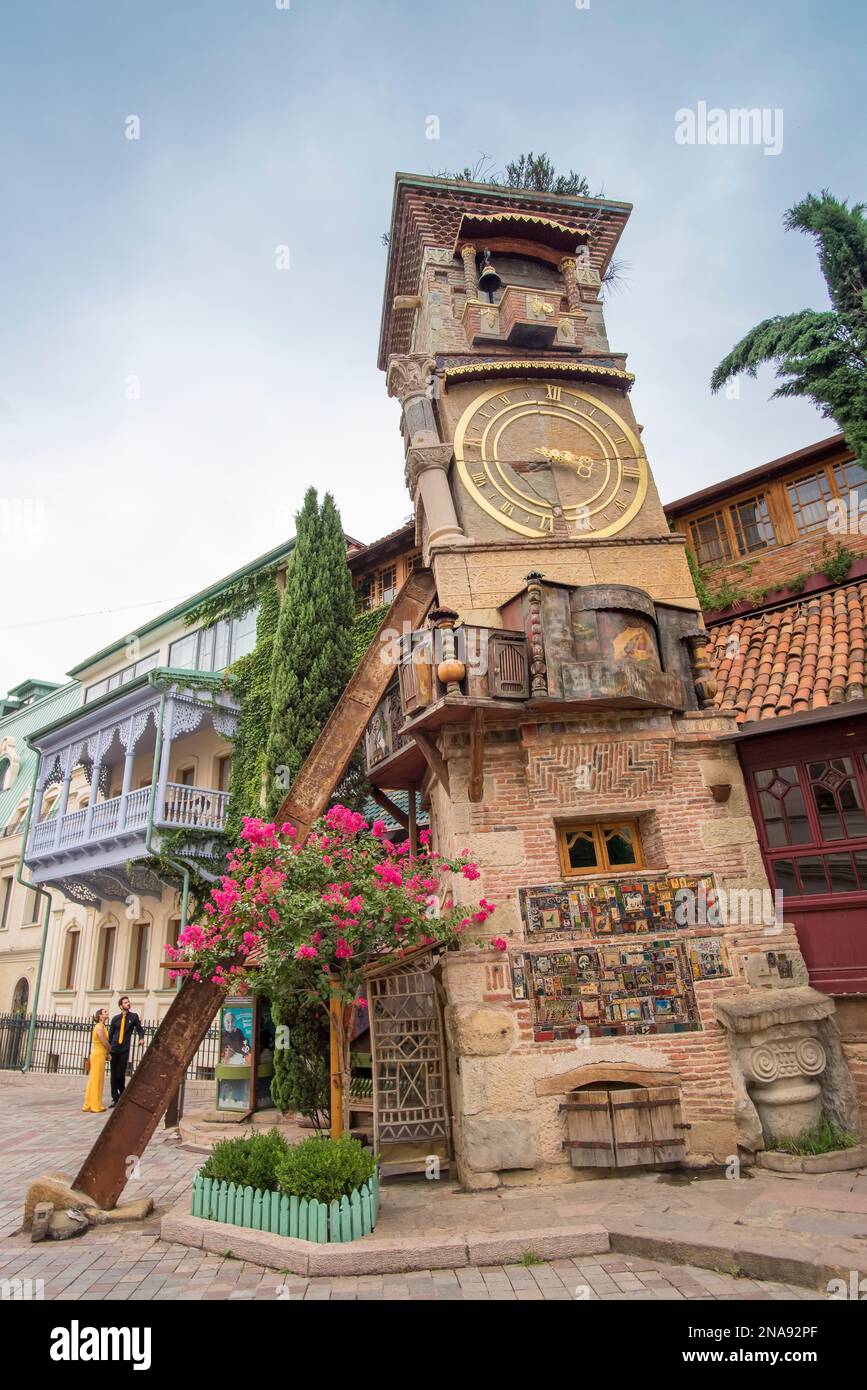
<point>476,783</point>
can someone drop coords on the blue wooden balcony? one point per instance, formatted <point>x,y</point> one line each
<point>136,734</point>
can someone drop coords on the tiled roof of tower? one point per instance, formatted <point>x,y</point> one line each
<point>428,211</point>
<point>804,657</point>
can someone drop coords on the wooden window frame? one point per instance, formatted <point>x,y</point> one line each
<point>105,967</point>
<point>817,846</point>
<point>8,886</point>
<point>694,522</point>
<point>71,948</point>
<point>599,828</point>
<point>139,979</point>
<point>732,529</point>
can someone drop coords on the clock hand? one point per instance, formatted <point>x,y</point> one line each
<point>582,463</point>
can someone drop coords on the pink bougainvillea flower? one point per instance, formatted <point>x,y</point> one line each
<point>306,953</point>
<point>470,871</point>
<point>361,1002</point>
<point>499,943</point>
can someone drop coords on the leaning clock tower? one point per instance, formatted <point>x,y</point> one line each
<point>556,711</point>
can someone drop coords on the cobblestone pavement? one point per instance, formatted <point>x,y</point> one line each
<point>41,1128</point>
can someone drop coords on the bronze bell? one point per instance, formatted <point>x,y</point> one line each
<point>489,280</point>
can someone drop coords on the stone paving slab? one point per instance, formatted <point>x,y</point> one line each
<point>42,1127</point>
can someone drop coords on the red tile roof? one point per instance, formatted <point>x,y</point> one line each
<point>799,658</point>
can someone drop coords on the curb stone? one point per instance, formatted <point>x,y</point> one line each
<point>373,1255</point>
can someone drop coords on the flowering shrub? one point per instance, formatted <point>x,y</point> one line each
<point>344,898</point>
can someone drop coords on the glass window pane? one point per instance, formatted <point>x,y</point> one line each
<point>860,857</point>
<point>841,873</point>
<point>781,802</point>
<point>752,525</point>
<point>619,846</point>
<point>785,877</point>
<point>182,653</point>
<point>581,849</point>
<point>851,477</point>
<point>205,654</point>
<point>812,874</point>
<point>809,498</point>
<point>244,634</point>
<point>221,648</point>
<point>710,539</point>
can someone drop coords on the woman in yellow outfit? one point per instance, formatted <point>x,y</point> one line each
<point>98,1059</point>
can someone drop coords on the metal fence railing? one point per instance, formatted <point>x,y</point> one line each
<point>62,1043</point>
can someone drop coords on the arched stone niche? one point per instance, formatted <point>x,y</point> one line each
<point>619,1114</point>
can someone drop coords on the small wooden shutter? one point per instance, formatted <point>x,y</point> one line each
<point>633,1132</point>
<point>588,1124</point>
<point>635,1127</point>
<point>507,664</point>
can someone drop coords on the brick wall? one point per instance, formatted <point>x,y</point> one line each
<point>652,768</point>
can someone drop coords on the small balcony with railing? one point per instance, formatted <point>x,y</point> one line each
<point>133,748</point>
<point>562,649</point>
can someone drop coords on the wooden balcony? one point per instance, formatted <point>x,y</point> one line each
<point>496,679</point>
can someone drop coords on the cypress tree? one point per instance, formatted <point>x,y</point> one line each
<point>312,654</point>
<point>312,661</point>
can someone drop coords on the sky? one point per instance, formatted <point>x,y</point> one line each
<point>170,386</point>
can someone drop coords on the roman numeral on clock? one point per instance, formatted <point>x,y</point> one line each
<point>553,393</point>
<point>473,443</point>
<point>630,471</point>
<point>480,479</point>
<point>508,508</point>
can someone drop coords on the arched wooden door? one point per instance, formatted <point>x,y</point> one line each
<point>410,1079</point>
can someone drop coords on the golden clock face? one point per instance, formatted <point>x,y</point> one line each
<point>546,458</point>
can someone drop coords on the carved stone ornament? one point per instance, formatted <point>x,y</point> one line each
<point>407,373</point>
<point>788,1064</point>
<point>705,685</point>
<point>426,458</point>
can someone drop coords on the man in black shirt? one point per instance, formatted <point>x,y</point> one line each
<point>120,1033</point>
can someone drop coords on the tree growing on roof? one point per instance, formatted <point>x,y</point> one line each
<point>821,355</point>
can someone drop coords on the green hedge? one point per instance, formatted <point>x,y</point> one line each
<point>319,1169</point>
<point>325,1170</point>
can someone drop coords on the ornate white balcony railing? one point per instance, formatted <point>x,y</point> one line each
<point>183,808</point>
<point>194,808</point>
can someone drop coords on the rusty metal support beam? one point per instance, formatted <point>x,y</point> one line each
<point>329,757</point>
<point>127,1131</point>
<point>158,1075</point>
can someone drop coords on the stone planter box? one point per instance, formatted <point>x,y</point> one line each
<point>280,1215</point>
<point>837,1161</point>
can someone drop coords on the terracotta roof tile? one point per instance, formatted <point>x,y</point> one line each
<point>806,656</point>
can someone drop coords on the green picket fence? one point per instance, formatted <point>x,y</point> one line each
<point>281,1215</point>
